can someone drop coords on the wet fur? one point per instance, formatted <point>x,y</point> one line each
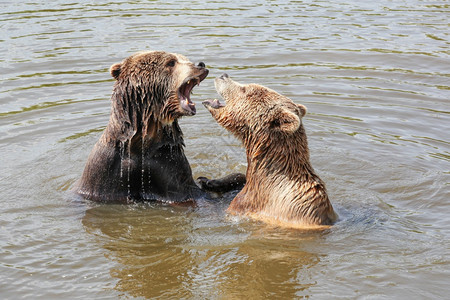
<point>140,155</point>
<point>282,186</point>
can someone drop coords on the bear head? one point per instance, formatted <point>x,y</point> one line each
<point>156,85</point>
<point>254,110</point>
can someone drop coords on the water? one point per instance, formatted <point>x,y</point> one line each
<point>374,77</point>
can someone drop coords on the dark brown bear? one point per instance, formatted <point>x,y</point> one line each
<point>140,154</point>
<point>282,187</point>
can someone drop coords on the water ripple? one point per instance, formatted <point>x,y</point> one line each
<point>374,76</point>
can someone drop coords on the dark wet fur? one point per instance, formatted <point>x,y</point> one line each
<point>140,155</point>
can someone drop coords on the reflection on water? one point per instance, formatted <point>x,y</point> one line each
<point>374,77</point>
<point>199,254</point>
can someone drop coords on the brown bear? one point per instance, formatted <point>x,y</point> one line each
<point>140,155</point>
<point>282,186</point>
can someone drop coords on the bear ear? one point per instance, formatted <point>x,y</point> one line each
<point>115,70</point>
<point>303,110</point>
<point>286,120</point>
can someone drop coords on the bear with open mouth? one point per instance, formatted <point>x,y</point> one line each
<point>282,187</point>
<point>140,155</point>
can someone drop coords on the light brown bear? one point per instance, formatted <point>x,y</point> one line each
<point>140,155</point>
<point>282,187</point>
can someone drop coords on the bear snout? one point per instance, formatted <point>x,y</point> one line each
<point>201,65</point>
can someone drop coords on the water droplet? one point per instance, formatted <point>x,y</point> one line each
<point>142,167</point>
<point>129,166</point>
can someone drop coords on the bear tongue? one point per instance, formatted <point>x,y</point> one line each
<point>188,105</point>
<point>184,95</point>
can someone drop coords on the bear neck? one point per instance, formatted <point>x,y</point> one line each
<point>279,154</point>
<point>134,120</point>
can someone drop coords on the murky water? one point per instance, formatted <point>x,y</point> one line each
<point>375,78</point>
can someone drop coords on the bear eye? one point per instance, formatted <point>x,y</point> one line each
<point>171,63</point>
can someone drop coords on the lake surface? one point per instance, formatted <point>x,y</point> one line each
<point>374,76</point>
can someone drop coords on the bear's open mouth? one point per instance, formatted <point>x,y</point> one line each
<point>216,104</point>
<point>185,90</point>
